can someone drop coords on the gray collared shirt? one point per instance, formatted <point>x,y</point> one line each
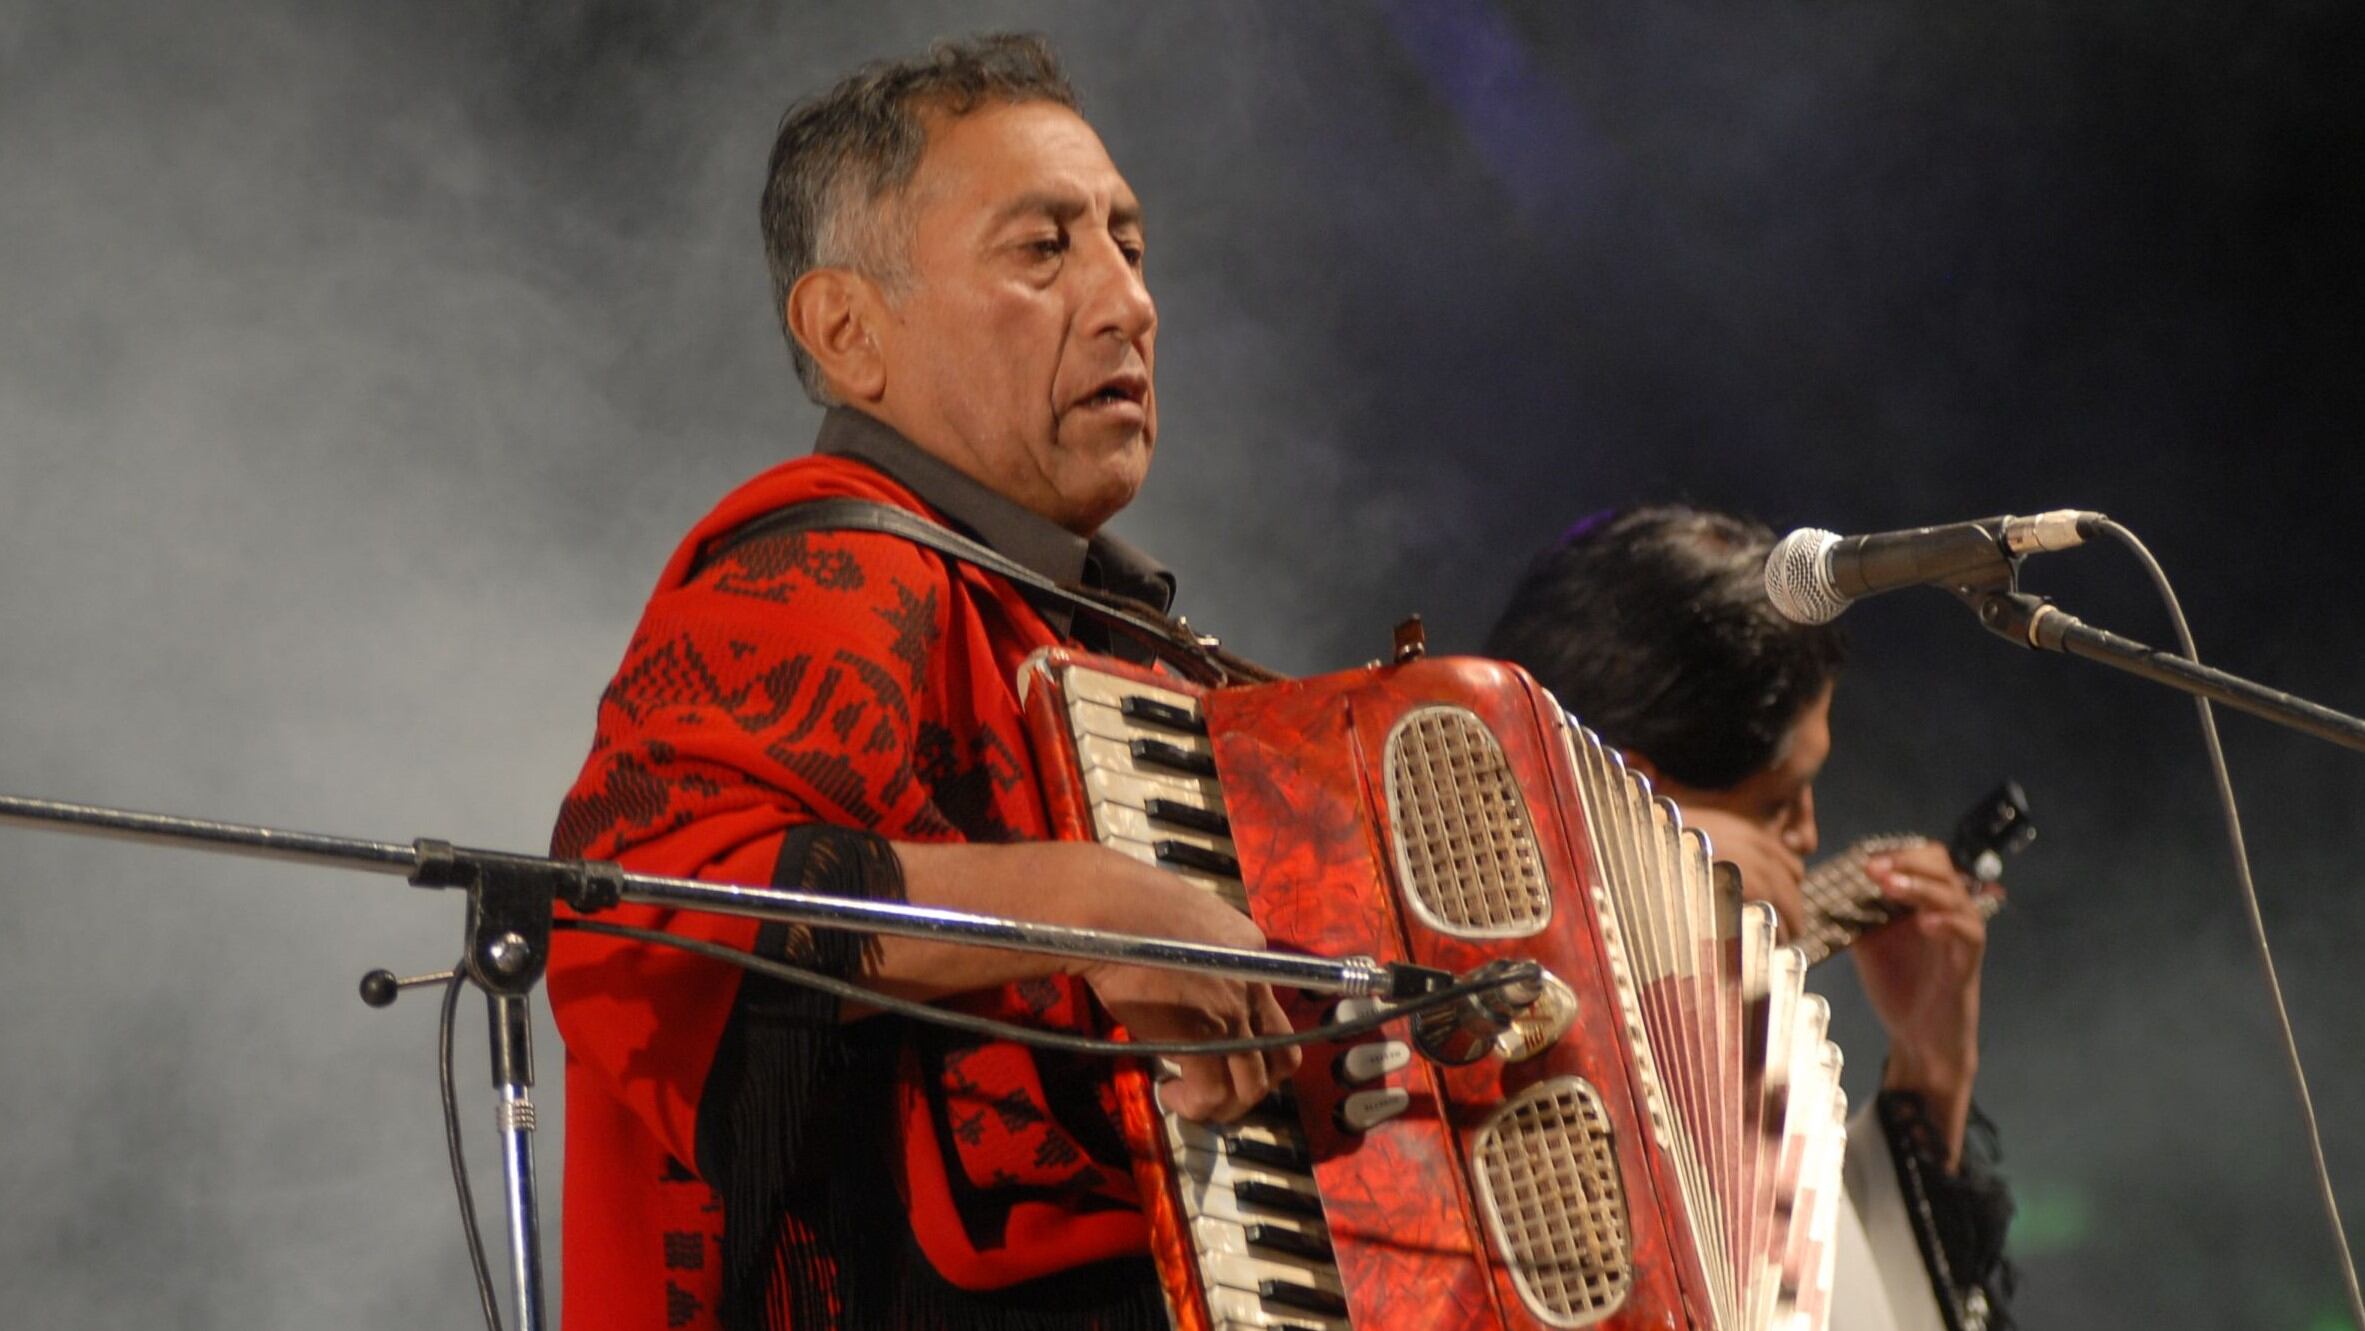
<point>1101,562</point>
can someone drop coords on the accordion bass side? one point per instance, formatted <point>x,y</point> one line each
<point>1654,1143</point>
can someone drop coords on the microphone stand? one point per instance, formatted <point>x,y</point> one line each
<point>2034,623</point>
<point>2037,624</point>
<point>510,899</point>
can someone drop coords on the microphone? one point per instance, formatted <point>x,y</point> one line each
<point>1812,574</point>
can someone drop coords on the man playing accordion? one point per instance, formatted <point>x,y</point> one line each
<point>959,267</point>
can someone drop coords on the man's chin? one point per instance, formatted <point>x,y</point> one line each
<point>1089,512</point>
<point>1087,502</point>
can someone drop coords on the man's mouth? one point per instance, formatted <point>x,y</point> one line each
<point>1118,388</point>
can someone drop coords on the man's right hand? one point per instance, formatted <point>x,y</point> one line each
<point>1089,886</point>
<point>1160,1004</point>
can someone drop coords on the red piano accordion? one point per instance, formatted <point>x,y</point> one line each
<point>1654,1143</point>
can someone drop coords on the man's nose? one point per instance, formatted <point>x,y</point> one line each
<point>1120,300</point>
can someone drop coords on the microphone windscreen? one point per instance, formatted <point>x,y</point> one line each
<point>1798,577</point>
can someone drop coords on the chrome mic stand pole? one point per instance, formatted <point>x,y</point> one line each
<point>507,953</point>
<point>513,1079</point>
<point>505,962</point>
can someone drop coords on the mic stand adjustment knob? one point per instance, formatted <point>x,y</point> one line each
<point>381,987</point>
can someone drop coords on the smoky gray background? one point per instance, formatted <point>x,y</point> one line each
<point>359,365</point>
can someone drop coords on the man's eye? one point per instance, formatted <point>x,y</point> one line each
<point>1132,253</point>
<point>1048,247</point>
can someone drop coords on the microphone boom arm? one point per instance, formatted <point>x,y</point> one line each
<point>510,899</point>
<point>2032,622</point>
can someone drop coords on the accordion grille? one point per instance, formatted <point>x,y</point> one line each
<point>1549,1179</point>
<point>1465,848</point>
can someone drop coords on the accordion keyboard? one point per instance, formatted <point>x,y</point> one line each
<point>1248,1190</point>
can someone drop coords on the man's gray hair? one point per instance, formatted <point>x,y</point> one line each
<point>843,157</point>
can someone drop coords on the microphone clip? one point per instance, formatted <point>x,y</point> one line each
<point>1979,587</point>
<point>1465,1031</point>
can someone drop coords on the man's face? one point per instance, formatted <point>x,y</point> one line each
<point>1772,815</point>
<point>1021,348</point>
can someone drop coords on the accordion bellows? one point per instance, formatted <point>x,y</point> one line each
<point>1668,1158</point>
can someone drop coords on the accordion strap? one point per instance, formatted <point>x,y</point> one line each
<point>1170,640</point>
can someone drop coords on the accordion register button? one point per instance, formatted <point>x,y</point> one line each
<point>1365,1110</point>
<point>1367,1063</point>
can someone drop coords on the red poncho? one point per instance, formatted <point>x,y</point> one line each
<point>860,681</point>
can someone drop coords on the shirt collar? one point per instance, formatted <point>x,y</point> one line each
<point>1019,533</point>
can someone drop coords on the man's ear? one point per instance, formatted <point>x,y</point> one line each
<point>833,314</point>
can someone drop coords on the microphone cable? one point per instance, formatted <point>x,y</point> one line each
<point>1381,1015</point>
<point>2266,956</point>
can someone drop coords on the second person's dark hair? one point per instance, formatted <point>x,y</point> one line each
<point>1652,626</point>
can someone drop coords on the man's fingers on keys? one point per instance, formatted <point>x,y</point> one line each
<point>1268,1018</point>
<point>1200,1089</point>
